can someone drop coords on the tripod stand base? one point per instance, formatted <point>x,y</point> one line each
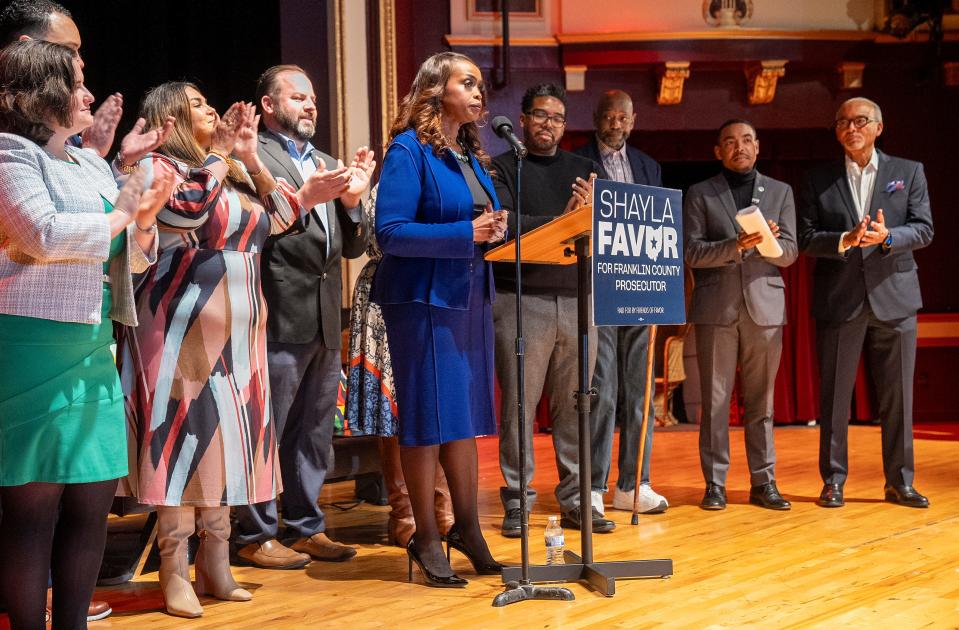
<point>516,592</point>
<point>599,576</point>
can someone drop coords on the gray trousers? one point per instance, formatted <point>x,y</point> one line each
<point>304,379</point>
<point>620,381</point>
<point>549,331</point>
<point>891,353</point>
<point>757,349</point>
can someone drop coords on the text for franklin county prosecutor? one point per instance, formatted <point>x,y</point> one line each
<point>635,226</point>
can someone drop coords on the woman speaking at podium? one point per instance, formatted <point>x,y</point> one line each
<point>434,220</point>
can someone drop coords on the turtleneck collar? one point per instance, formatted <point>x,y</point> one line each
<point>736,179</point>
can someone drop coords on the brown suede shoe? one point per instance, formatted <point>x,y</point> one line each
<point>272,554</point>
<point>319,547</point>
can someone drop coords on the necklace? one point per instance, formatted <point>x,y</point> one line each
<point>462,157</point>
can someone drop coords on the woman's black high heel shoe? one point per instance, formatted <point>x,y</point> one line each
<point>455,540</point>
<point>450,581</point>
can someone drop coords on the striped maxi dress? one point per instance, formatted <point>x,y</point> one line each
<point>194,371</point>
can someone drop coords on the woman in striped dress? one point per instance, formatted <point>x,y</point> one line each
<point>195,369</point>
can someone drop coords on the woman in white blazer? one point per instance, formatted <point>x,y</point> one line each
<point>69,241</point>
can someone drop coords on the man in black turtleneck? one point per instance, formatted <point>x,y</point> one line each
<point>738,309</point>
<point>554,181</point>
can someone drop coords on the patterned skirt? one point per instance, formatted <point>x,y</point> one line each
<point>371,400</point>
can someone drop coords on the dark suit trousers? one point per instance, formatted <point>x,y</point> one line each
<point>620,376</point>
<point>758,349</point>
<point>304,379</point>
<point>891,354</point>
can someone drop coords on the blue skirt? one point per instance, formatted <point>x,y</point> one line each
<point>443,366</point>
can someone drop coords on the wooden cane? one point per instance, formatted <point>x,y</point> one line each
<point>650,358</point>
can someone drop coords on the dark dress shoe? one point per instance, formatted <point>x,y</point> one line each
<point>906,495</point>
<point>767,496</point>
<point>454,540</point>
<point>511,527</point>
<point>601,525</point>
<point>831,496</point>
<point>715,497</point>
<point>436,581</point>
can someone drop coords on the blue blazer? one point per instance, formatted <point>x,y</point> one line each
<point>888,279</point>
<point>424,226</point>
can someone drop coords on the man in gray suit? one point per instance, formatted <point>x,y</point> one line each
<point>739,309</point>
<point>862,217</point>
<point>302,286</point>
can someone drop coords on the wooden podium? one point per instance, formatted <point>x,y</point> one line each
<point>563,241</point>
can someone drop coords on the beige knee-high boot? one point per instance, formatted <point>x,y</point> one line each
<point>213,576</point>
<point>175,525</point>
<point>400,525</point>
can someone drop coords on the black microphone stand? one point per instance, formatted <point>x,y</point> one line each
<point>523,590</point>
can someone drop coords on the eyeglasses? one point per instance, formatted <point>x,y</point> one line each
<point>539,117</point>
<point>858,122</point>
<point>622,119</point>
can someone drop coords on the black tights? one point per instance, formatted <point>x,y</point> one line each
<point>58,529</point>
<point>458,459</point>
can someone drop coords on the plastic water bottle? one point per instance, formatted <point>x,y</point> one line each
<point>555,541</point>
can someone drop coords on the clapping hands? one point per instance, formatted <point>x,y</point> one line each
<point>138,143</point>
<point>99,135</point>
<point>867,232</point>
<point>582,193</point>
<point>361,172</point>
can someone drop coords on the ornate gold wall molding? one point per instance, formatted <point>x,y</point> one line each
<point>389,96</point>
<point>672,77</point>
<point>850,74</point>
<point>762,78</point>
<point>337,57</point>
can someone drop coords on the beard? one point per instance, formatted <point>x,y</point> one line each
<point>543,145</point>
<point>613,139</point>
<point>298,128</point>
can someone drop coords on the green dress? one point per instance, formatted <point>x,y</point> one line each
<point>61,405</point>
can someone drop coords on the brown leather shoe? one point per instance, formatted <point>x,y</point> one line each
<point>98,610</point>
<point>319,547</point>
<point>272,554</point>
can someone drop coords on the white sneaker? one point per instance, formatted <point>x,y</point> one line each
<point>597,501</point>
<point>649,501</point>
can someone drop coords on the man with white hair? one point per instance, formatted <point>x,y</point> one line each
<point>863,217</point>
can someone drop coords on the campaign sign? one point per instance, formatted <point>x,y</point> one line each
<point>637,255</point>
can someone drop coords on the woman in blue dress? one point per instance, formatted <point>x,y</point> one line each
<point>434,222</point>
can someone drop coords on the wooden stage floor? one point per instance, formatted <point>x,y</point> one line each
<point>867,565</point>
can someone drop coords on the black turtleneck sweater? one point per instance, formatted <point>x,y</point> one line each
<point>741,185</point>
<point>547,186</point>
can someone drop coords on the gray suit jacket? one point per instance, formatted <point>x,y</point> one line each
<point>888,279</point>
<point>724,277</point>
<point>301,282</point>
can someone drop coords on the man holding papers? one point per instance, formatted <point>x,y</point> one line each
<point>738,308</point>
<point>862,217</point>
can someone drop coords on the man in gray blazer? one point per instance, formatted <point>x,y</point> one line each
<point>303,288</point>
<point>862,217</point>
<point>739,309</point>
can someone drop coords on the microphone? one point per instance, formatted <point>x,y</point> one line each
<point>503,128</point>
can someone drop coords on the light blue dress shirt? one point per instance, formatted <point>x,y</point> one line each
<point>303,161</point>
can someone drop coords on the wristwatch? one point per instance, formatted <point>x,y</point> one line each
<point>886,244</point>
